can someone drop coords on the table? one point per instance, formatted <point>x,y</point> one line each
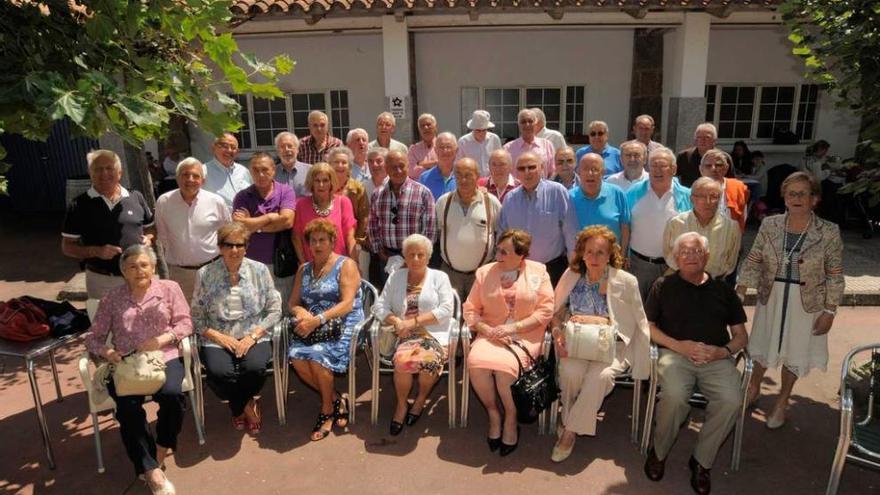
<point>30,351</point>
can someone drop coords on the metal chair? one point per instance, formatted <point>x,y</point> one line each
<point>383,364</point>
<point>85,372</point>
<point>697,399</point>
<point>367,294</point>
<point>859,441</point>
<point>466,378</point>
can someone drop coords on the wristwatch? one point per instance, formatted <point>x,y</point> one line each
<point>322,318</point>
<point>254,336</point>
<point>832,312</point>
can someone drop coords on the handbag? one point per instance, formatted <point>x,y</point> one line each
<point>284,259</point>
<point>388,339</point>
<point>331,330</point>
<point>591,341</point>
<point>139,373</point>
<point>535,388</point>
<point>22,321</point>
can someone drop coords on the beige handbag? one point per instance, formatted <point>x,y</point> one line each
<point>591,341</point>
<point>139,373</point>
<point>387,340</point>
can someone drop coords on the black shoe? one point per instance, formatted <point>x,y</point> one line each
<point>411,418</point>
<point>654,467</point>
<point>505,449</point>
<point>396,428</point>
<point>701,478</point>
<point>494,443</point>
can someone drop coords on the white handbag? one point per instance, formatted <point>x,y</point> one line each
<point>591,341</point>
<point>139,373</point>
<point>387,340</point>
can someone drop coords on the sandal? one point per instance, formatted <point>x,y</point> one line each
<point>319,433</point>
<point>340,411</point>
<point>254,427</point>
<point>239,422</point>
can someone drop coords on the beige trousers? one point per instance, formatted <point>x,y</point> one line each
<point>719,381</point>
<point>98,284</point>
<point>185,278</point>
<point>583,386</point>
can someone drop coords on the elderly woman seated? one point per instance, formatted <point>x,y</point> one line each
<point>418,302</point>
<point>595,290</point>
<point>325,309</point>
<point>511,301</point>
<point>235,306</point>
<point>145,314</point>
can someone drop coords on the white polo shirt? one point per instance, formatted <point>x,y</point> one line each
<point>649,217</point>
<point>189,232</point>
<point>467,231</point>
<point>619,179</point>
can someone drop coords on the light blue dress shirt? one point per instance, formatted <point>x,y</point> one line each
<point>546,214</point>
<point>226,182</point>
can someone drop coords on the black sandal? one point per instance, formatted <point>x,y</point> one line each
<point>340,413</point>
<point>322,418</point>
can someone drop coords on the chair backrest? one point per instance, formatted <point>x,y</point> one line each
<point>861,378</point>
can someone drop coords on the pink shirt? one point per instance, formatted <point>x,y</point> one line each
<point>163,309</point>
<point>540,147</point>
<point>417,154</point>
<point>341,215</point>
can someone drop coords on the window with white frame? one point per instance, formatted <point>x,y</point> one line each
<point>265,118</point>
<point>759,112</point>
<point>563,106</point>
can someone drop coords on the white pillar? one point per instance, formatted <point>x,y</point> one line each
<point>685,77</point>
<point>395,56</point>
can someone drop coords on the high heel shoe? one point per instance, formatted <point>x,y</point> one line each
<point>395,428</point>
<point>506,449</point>
<point>494,443</point>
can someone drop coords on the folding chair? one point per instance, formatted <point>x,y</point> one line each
<point>859,441</point>
<point>698,399</point>
<point>383,364</point>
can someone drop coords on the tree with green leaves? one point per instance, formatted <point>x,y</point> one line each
<point>126,67</point>
<point>839,42</point>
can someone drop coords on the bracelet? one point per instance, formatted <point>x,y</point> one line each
<point>322,318</point>
<point>174,339</point>
<point>729,351</point>
<point>832,312</point>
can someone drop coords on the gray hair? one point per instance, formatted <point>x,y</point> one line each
<point>705,182</point>
<point>707,126</point>
<point>564,148</point>
<point>687,236</point>
<point>599,123</point>
<point>663,152</point>
<point>524,111</point>
<point>377,151</point>
<point>317,114</point>
<point>190,162</point>
<point>709,155</point>
<point>635,144</point>
<point>387,115</point>
<point>286,134</point>
<point>354,132</point>
<point>644,116</point>
<point>539,115</point>
<point>93,155</point>
<point>341,150</point>
<point>447,135</point>
<point>427,116</point>
<point>137,250</point>
<point>417,239</point>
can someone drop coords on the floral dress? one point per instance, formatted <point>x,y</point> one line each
<point>585,299</point>
<point>420,351</point>
<point>318,295</point>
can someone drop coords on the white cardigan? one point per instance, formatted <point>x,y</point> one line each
<point>436,297</point>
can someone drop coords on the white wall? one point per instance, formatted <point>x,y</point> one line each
<point>599,58</point>
<point>324,61</point>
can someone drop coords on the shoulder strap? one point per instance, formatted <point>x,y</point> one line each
<point>515,355</point>
<point>489,231</point>
<point>519,344</point>
<point>445,222</point>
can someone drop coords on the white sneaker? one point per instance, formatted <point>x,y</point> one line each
<point>166,488</point>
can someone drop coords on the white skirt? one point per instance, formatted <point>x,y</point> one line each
<point>782,333</point>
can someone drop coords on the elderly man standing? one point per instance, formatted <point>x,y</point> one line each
<point>635,157</point>
<point>289,170</point>
<point>689,314</point>
<point>386,124</point>
<point>440,179</point>
<point>598,203</point>
<point>652,203</point>
<point>479,143</point>
<point>529,142</point>
<point>421,156</point>
<point>101,222</point>
<point>735,194</point>
<point>187,220</point>
<point>356,141</point>
<point>542,208</point>
<point>643,130</point>
<point>500,180</point>
<point>688,161</point>
<point>378,174</point>
<point>466,220</point>
<point>555,137</point>
<point>314,147</point>
<point>400,207</point>
<point>223,175</point>
<point>705,219</point>
<point>598,133</point>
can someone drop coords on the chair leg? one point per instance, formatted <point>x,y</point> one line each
<point>99,453</point>
<point>374,387</point>
<point>452,384</point>
<point>649,416</point>
<point>843,442</point>
<point>200,430</point>
<point>352,371</point>
<point>636,411</point>
<point>554,415</point>
<point>465,382</point>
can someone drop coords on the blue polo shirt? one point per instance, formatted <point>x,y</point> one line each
<point>436,183</point>
<point>610,154</point>
<point>609,208</point>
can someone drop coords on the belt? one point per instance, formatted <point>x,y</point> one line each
<point>196,267</point>
<point>656,261</point>
<point>788,281</point>
<point>102,271</point>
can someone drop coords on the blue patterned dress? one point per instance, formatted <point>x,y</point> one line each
<point>585,299</point>
<point>321,295</point>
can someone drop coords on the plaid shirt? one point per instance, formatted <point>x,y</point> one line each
<point>308,153</point>
<point>415,215</point>
<point>490,186</point>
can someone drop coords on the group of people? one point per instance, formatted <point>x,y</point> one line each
<point>532,235</point>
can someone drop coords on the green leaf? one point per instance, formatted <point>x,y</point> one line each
<point>68,105</point>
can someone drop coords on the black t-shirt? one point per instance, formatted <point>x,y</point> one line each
<point>701,313</point>
<point>688,166</point>
<point>90,220</point>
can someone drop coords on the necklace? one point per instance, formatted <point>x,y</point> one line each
<point>322,212</point>
<point>787,253</point>
<point>597,284</point>
<point>316,277</point>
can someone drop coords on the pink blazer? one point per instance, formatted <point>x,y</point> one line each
<point>534,298</point>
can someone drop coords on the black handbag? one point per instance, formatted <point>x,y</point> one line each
<point>284,259</point>
<point>328,332</point>
<point>535,389</point>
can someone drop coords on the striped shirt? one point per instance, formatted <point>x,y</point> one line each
<point>394,217</point>
<point>309,152</point>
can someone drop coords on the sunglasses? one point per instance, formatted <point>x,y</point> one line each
<point>529,168</point>
<point>230,245</point>
<point>597,133</point>
<point>394,217</point>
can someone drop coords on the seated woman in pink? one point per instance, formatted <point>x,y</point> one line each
<point>511,300</point>
<point>323,203</point>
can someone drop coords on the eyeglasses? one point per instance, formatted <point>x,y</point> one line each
<point>227,146</point>
<point>632,155</point>
<point>529,168</point>
<point>565,160</point>
<point>797,194</point>
<point>717,166</point>
<point>394,218</point>
<point>691,252</point>
<point>597,133</point>
<point>231,245</point>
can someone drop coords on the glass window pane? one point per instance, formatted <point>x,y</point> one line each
<point>261,120</point>
<point>264,138</point>
<point>511,97</point>
<point>534,97</point>
<point>509,114</point>
<point>300,101</point>
<point>552,96</point>
<point>725,130</point>
<point>786,94</point>
<point>742,130</point>
<point>261,104</point>
<point>728,112</point>
<point>493,97</point>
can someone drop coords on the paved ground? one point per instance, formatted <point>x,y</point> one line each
<point>429,458</point>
